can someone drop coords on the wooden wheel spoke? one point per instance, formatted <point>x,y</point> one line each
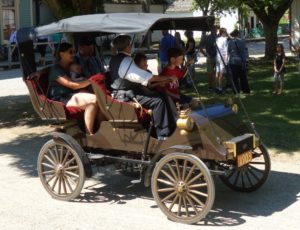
<point>237,178</point>
<point>59,185</point>
<point>54,184</point>
<point>56,153</point>
<point>52,155</point>
<point>64,184</point>
<point>165,190</point>
<point>184,169</point>
<point>255,169</point>
<point>168,196</point>
<point>198,185</point>
<point>72,167</point>
<point>253,174</point>
<point>50,160</point>
<point>198,193</point>
<point>172,171</point>
<point>50,179</point>
<point>47,165</point>
<point>66,157</point>
<point>196,199</point>
<point>185,206</point>
<point>249,179</point>
<point>72,174</point>
<point>190,173</point>
<point>168,175</point>
<point>173,202</point>
<point>48,172</point>
<point>194,179</point>
<point>179,206</point>
<point>192,204</point>
<point>69,161</point>
<point>68,183</point>
<point>61,154</point>
<point>243,182</point>
<point>166,182</point>
<point>177,168</point>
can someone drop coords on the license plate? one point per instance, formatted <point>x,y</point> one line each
<point>244,158</point>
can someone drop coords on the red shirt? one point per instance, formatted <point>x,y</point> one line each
<point>172,87</point>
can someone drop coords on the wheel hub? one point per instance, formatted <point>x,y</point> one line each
<point>59,169</point>
<point>181,187</point>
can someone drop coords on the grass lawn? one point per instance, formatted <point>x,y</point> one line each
<point>276,118</point>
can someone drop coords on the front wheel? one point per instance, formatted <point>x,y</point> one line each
<point>251,176</point>
<point>183,188</point>
<point>61,170</point>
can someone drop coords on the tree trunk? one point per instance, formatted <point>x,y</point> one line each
<point>271,39</point>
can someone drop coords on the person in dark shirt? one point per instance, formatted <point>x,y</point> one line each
<point>63,89</point>
<point>85,56</point>
<point>168,41</point>
<point>279,69</point>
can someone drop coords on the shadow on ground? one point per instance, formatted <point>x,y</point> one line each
<point>230,208</point>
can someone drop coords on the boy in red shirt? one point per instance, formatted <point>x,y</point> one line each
<point>175,59</point>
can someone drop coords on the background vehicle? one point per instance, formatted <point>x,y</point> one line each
<point>208,140</point>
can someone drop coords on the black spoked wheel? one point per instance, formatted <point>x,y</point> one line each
<point>251,176</point>
<point>61,170</point>
<point>183,188</point>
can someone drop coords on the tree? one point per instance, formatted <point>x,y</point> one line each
<point>212,7</point>
<point>67,8</point>
<point>269,12</point>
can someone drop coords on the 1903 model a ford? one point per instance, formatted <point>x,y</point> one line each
<point>209,140</point>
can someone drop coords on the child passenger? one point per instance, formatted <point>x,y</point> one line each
<point>279,70</point>
<point>76,72</point>
<point>175,60</point>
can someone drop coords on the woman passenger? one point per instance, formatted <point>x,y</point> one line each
<point>63,89</point>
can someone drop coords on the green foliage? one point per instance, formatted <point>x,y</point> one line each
<point>68,8</point>
<point>211,7</point>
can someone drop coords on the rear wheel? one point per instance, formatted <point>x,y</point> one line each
<point>183,188</point>
<point>61,170</point>
<point>251,176</point>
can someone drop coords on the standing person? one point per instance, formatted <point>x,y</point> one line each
<point>63,89</point>
<point>85,56</point>
<point>221,58</point>
<point>208,49</point>
<point>190,53</point>
<point>168,41</point>
<point>42,48</point>
<point>237,60</point>
<point>179,42</point>
<point>127,76</point>
<point>13,41</point>
<point>279,69</point>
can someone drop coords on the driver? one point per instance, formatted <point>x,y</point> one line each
<point>127,76</point>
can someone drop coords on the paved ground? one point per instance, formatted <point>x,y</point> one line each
<point>108,201</point>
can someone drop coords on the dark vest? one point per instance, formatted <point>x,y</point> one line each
<point>119,83</point>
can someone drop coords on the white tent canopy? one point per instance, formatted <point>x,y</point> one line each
<point>125,23</point>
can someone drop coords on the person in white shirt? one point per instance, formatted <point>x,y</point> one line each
<point>221,58</point>
<point>128,77</point>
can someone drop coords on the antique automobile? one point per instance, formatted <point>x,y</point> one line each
<point>209,141</point>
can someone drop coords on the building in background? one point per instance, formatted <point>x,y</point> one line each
<point>13,15</point>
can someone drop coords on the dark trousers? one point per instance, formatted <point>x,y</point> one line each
<point>239,78</point>
<point>164,112</point>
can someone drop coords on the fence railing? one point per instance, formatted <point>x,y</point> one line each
<point>11,48</point>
